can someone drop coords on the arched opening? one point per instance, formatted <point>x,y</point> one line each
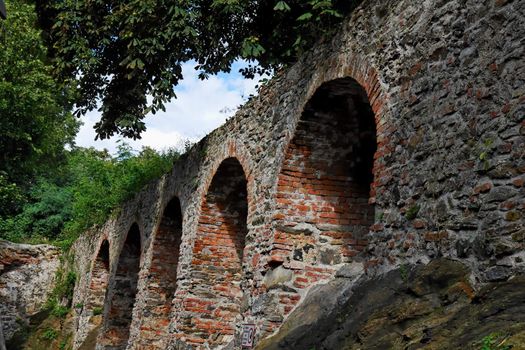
<point>98,286</point>
<point>162,277</point>
<point>124,292</point>
<point>215,303</point>
<point>324,184</point>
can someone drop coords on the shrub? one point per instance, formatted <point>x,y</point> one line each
<point>49,334</point>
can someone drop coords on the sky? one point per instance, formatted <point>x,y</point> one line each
<point>200,107</point>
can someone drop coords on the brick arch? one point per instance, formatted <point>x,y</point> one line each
<point>325,186</point>
<point>96,297</point>
<point>214,301</point>
<point>119,314</point>
<point>99,278</point>
<point>352,66</point>
<point>161,279</point>
<point>232,149</point>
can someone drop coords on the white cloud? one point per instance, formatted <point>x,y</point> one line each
<point>195,112</point>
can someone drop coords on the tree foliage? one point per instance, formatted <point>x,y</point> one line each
<point>35,122</point>
<point>128,53</point>
<point>84,192</point>
<point>48,192</point>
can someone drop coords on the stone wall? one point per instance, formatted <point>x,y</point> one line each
<point>27,276</point>
<point>397,142</point>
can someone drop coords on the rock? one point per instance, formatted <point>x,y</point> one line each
<point>301,228</point>
<point>321,300</point>
<point>497,273</point>
<point>519,236</point>
<point>437,274</point>
<point>329,256</point>
<point>352,271</point>
<point>277,276</point>
<point>462,248</point>
<point>23,263</point>
<point>381,313</point>
<point>500,194</point>
<point>2,340</point>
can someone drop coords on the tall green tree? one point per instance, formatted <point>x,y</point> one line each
<point>35,118</point>
<point>120,52</point>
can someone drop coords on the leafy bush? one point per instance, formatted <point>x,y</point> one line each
<point>44,217</point>
<point>60,311</point>
<point>49,334</point>
<point>97,311</point>
<point>83,192</point>
<point>495,341</point>
<point>101,182</point>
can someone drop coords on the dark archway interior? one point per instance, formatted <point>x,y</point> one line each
<point>324,185</point>
<point>125,290</point>
<point>349,129</point>
<point>217,257</point>
<point>162,276</point>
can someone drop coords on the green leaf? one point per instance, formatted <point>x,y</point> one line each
<point>321,4</point>
<point>305,16</point>
<point>282,6</point>
<point>297,41</point>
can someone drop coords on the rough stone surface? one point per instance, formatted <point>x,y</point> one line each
<point>2,338</point>
<point>27,276</point>
<point>417,307</point>
<point>398,141</point>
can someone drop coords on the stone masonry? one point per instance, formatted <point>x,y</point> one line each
<point>27,275</point>
<point>401,140</point>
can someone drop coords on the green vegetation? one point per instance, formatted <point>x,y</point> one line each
<point>83,192</point>
<point>495,341</point>
<point>35,122</point>
<point>97,311</point>
<point>412,212</point>
<point>49,193</point>
<point>49,334</point>
<point>61,297</point>
<point>119,52</point>
<point>60,311</point>
<point>64,343</point>
<point>403,271</point>
<point>485,152</point>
